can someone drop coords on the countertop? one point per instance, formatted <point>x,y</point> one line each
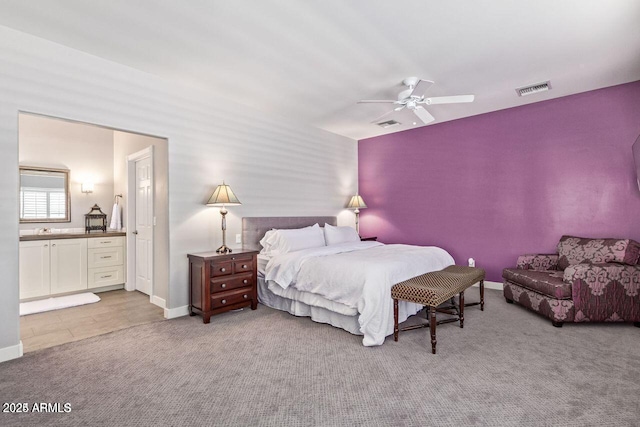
<point>56,236</point>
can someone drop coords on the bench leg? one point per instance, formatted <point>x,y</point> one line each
<point>395,320</point>
<point>481,295</point>
<point>461,309</point>
<point>432,326</point>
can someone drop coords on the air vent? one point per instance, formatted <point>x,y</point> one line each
<point>388,124</point>
<point>530,90</point>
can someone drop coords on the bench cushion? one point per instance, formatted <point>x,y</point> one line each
<point>432,289</point>
<point>548,283</point>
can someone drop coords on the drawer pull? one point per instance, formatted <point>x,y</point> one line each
<point>224,285</point>
<point>224,301</point>
<point>105,257</point>
<point>53,244</point>
<point>46,246</point>
<point>245,296</point>
<point>244,265</point>
<point>222,270</point>
<point>106,241</point>
<point>105,277</point>
<point>245,281</point>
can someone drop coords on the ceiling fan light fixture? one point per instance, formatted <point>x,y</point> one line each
<point>412,99</point>
<point>534,88</point>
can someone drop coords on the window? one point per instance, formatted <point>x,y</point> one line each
<point>42,203</point>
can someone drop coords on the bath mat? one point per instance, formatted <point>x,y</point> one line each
<point>57,303</point>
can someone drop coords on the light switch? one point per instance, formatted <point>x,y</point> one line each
<point>238,238</point>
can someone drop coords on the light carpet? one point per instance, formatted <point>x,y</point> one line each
<point>507,367</point>
<point>57,303</point>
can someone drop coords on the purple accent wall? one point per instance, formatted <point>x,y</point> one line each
<point>507,183</point>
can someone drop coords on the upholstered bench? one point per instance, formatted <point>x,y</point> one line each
<point>433,289</point>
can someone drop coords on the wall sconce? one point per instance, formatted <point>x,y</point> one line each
<point>87,187</point>
<point>223,195</point>
<point>636,158</point>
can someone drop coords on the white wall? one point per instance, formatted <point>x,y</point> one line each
<point>125,143</point>
<point>275,166</point>
<point>87,151</point>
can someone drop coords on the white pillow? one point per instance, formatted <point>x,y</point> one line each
<point>278,242</point>
<point>335,235</point>
<point>268,242</point>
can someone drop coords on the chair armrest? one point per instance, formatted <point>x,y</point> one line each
<point>598,276</point>
<point>538,262</point>
<point>605,292</point>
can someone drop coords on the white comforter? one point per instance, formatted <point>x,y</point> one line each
<point>359,275</point>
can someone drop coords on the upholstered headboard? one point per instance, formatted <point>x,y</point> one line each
<point>253,228</point>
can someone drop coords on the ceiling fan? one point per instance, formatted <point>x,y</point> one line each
<point>413,99</point>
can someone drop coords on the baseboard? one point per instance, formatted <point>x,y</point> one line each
<point>12,352</point>
<point>160,302</point>
<point>491,285</point>
<point>106,288</point>
<point>172,313</point>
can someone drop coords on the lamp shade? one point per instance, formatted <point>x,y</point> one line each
<point>223,195</point>
<point>356,202</point>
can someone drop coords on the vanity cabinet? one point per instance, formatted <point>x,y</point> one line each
<point>52,267</point>
<point>106,262</point>
<point>67,265</point>
<point>34,269</point>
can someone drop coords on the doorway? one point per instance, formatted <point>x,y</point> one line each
<point>98,160</point>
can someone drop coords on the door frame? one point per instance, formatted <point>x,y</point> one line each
<point>130,284</point>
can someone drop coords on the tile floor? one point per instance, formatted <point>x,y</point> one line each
<point>116,310</point>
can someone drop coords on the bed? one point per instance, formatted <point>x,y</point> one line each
<point>345,285</point>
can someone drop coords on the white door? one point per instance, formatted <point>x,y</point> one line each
<point>34,269</point>
<point>144,225</point>
<point>68,265</point>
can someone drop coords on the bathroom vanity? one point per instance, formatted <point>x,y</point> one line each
<point>54,264</point>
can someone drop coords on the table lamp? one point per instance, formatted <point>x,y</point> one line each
<point>356,203</point>
<point>223,196</point>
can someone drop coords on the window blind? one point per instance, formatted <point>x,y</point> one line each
<point>42,203</point>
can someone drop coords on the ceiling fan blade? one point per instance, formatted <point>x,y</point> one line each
<point>421,88</point>
<point>423,115</point>
<point>388,113</point>
<point>449,99</point>
<point>366,101</point>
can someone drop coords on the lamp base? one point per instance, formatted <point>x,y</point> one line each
<point>224,249</point>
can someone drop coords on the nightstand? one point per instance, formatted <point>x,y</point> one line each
<point>222,282</point>
<point>369,239</point>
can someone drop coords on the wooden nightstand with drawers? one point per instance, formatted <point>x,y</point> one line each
<point>222,282</point>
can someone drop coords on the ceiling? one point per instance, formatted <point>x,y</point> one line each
<point>311,61</point>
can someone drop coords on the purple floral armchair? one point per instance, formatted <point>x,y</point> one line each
<point>588,280</point>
